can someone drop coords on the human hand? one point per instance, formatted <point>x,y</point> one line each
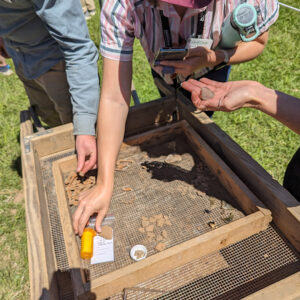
<point>196,59</point>
<point>94,200</point>
<point>228,96</point>
<point>86,153</point>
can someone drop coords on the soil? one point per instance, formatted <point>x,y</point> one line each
<point>75,184</point>
<point>106,232</point>
<point>139,254</point>
<point>160,246</point>
<point>173,158</point>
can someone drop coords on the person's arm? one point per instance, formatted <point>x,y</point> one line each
<point>113,110</point>
<point>201,57</point>
<point>65,22</point>
<point>230,96</point>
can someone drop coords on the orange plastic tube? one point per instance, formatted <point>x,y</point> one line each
<point>87,238</point>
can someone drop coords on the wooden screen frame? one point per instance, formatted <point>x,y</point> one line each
<point>257,218</point>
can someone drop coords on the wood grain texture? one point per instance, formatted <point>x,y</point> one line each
<point>150,115</point>
<point>56,140</point>
<point>41,268</point>
<point>179,255</point>
<point>284,207</point>
<point>286,289</point>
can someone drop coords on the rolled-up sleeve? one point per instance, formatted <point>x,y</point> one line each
<point>66,24</point>
<point>117,30</point>
<point>269,12</point>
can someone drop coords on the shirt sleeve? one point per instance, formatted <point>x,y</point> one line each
<point>66,24</point>
<point>269,12</point>
<point>117,30</point>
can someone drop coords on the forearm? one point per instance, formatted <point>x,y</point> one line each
<point>110,131</point>
<point>245,51</point>
<point>282,107</point>
<point>113,110</point>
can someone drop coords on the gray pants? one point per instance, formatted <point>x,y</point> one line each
<point>49,94</point>
<point>87,5</point>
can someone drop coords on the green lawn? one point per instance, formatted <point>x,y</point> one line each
<point>267,141</point>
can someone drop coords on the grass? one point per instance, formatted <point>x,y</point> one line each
<point>265,139</point>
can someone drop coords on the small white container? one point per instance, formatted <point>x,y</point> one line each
<point>138,248</point>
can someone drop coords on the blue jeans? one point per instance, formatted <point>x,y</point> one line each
<point>221,75</point>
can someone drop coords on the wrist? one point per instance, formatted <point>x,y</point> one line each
<point>256,95</point>
<point>217,57</point>
<point>104,188</point>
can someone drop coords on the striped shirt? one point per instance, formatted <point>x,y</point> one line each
<point>124,20</point>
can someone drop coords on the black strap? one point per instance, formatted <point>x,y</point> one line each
<point>200,24</point>
<point>167,31</point>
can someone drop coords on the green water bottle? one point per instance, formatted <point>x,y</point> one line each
<point>241,24</point>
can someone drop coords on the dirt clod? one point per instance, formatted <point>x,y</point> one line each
<point>173,158</point>
<point>106,232</point>
<point>160,246</point>
<point>164,234</point>
<point>126,189</point>
<point>145,223</point>
<point>212,224</point>
<point>139,254</point>
<point>149,228</point>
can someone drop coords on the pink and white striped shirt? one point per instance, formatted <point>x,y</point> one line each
<point>124,20</point>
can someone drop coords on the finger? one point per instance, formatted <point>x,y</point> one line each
<point>198,51</point>
<point>173,63</point>
<point>80,161</point>
<point>197,83</point>
<point>84,218</point>
<point>196,100</point>
<point>76,217</point>
<point>190,86</point>
<point>88,164</point>
<point>210,82</point>
<point>99,220</point>
<point>95,166</point>
<point>212,104</point>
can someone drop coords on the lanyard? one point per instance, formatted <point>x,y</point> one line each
<point>167,32</point>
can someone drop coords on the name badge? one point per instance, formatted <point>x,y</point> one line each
<point>197,42</point>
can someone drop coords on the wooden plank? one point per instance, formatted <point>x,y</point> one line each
<point>287,289</point>
<point>179,255</point>
<point>150,115</point>
<point>164,87</point>
<point>41,275</point>
<point>140,118</point>
<point>68,164</point>
<point>284,207</point>
<point>245,199</point>
<point>54,140</point>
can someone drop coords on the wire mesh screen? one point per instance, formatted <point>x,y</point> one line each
<point>232,273</point>
<point>170,181</point>
<point>54,218</point>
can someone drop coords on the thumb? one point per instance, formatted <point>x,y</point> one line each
<point>80,161</point>
<point>99,220</point>
<point>198,51</point>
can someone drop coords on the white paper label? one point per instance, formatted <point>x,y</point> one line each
<point>103,250</point>
<point>195,42</point>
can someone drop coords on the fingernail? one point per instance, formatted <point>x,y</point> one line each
<point>168,70</point>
